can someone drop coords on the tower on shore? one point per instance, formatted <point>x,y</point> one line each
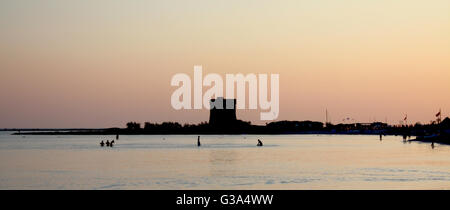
<point>222,111</point>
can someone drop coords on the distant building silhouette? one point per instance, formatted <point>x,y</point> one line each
<point>222,112</point>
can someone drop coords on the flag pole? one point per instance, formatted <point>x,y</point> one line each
<point>440,115</point>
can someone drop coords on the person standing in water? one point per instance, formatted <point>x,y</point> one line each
<point>102,143</point>
<point>107,143</point>
<point>198,141</point>
<point>260,144</point>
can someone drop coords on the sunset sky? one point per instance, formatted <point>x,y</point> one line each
<point>93,63</point>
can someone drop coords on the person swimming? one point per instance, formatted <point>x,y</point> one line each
<point>102,143</point>
<point>260,144</point>
<point>198,142</point>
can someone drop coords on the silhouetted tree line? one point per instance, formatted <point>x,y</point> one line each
<point>280,127</point>
<point>176,128</point>
<point>294,126</point>
<point>133,126</point>
<point>236,127</point>
<point>287,127</point>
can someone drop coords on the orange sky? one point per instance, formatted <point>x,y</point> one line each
<point>103,63</point>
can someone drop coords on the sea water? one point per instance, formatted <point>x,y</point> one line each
<point>222,162</point>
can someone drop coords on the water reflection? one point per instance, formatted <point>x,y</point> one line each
<point>222,162</point>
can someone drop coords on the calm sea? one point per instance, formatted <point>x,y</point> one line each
<point>222,162</point>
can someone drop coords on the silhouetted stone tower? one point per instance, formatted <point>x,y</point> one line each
<point>222,112</point>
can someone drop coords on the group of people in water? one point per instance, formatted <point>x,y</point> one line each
<point>260,144</point>
<point>111,144</point>
<point>108,144</point>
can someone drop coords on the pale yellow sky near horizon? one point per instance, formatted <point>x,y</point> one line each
<point>103,63</point>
